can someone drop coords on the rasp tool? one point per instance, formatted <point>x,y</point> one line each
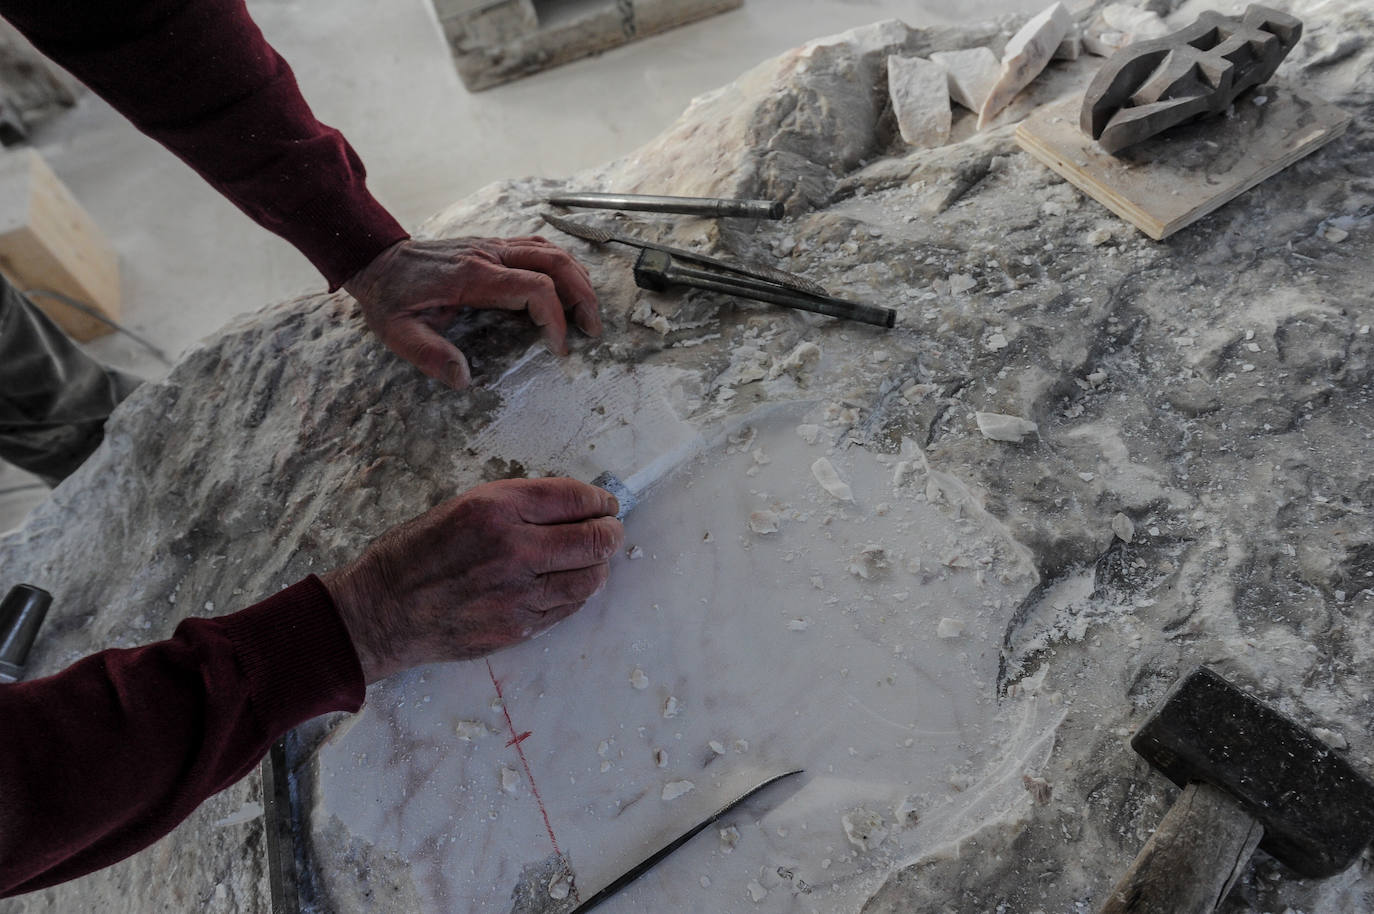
<point>598,235</point>
<point>690,206</point>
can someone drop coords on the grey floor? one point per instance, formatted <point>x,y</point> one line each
<point>381,72</point>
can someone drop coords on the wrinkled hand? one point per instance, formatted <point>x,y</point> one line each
<point>413,291</point>
<point>483,571</point>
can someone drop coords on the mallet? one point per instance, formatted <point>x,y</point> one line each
<point>1250,776</point>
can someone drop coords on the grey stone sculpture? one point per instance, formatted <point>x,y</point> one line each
<point>1150,86</point>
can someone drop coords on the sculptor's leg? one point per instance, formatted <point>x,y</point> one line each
<point>54,399</point>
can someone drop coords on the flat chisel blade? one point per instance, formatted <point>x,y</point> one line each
<point>651,861</point>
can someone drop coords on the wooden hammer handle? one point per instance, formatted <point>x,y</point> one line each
<point>1192,859</point>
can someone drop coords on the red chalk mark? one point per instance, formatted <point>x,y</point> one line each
<point>516,740</point>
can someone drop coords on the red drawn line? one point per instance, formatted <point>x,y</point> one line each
<point>515,741</point>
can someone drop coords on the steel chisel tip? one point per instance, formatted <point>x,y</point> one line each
<point>613,484</point>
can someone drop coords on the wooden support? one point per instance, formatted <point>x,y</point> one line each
<point>1193,858</point>
<point>496,41</point>
<point>48,242</point>
<point>1176,178</point>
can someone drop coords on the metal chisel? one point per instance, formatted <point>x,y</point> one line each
<point>690,206</point>
<point>653,859</point>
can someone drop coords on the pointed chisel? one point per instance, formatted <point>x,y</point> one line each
<point>649,862</point>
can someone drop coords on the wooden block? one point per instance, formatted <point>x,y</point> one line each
<point>1176,178</point>
<point>496,42</point>
<point>47,241</point>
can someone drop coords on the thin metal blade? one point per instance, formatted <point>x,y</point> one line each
<point>651,861</point>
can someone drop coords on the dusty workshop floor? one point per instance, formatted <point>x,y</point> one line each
<point>381,73</point>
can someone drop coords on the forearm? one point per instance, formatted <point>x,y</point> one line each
<point>197,76</point>
<point>109,755</point>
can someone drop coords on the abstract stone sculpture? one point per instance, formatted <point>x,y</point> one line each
<point>1150,86</point>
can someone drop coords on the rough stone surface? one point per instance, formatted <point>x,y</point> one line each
<point>919,90</point>
<point>1229,422</point>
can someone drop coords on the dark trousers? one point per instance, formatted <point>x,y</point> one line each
<point>54,399</point>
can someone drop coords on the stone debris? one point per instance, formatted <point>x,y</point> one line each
<point>764,522</point>
<point>469,730</point>
<point>757,892</point>
<point>729,837</point>
<point>797,625</point>
<point>635,552</point>
<point>716,746</point>
<point>804,356</point>
<point>949,628</point>
<point>1001,427</point>
<point>1025,55</point>
<point>1123,527</point>
<point>864,828</point>
<point>559,886</point>
<point>972,74</point>
<point>907,812</point>
<point>674,789</point>
<point>660,758</point>
<point>510,780</point>
<point>1039,789</point>
<point>638,679</point>
<point>809,433</point>
<point>919,90</point>
<point>830,480</point>
<point>671,707</point>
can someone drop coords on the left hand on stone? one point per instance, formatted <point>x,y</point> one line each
<point>412,291</point>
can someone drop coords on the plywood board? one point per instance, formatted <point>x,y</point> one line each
<point>48,242</point>
<point>1176,178</point>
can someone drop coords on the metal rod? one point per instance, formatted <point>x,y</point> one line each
<point>655,270</point>
<point>691,206</point>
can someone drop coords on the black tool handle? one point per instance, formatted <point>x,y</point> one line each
<point>21,614</point>
<point>691,206</point>
<point>1192,859</point>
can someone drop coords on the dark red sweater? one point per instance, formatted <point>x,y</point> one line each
<point>104,758</point>
<point>198,77</point>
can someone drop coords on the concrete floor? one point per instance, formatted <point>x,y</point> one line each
<point>382,74</point>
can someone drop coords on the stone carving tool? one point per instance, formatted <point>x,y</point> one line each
<point>653,859</point>
<point>598,235</point>
<point>655,270</point>
<point>1250,776</point>
<point>21,615</point>
<point>1150,86</point>
<point>690,206</point>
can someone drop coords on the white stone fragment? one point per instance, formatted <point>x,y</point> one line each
<point>1134,21</point>
<point>907,812</point>
<point>797,625</point>
<point>1123,527</point>
<point>729,837</point>
<point>949,628</point>
<point>510,780</point>
<point>1071,48</point>
<point>671,707</point>
<point>674,789</point>
<point>960,283</point>
<point>919,89</point>
<point>1335,235</point>
<point>635,552</point>
<point>469,730</point>
<point>756,891</point>
<point>972,74</point>
<point>830,480</point>
<point>716,746</point>
<point>1001,427</point>
<point>559,886</point>
<point>1024,57</point>
<point>864,828</point>
<point>808,432</point>
<point>804,355</point>
<point>1332,738</point>
<point>638,679</point>
<point>764,522</point>
<point>997,342</point>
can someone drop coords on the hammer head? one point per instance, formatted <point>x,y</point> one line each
<point>1317,810</point>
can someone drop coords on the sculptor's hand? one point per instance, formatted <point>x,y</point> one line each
<point>413,291</point>
<point>480,572</point>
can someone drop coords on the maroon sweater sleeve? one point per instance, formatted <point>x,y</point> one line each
<point>198,77</point>
<point>104,758</point>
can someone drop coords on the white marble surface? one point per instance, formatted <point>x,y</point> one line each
<point>814,646</point>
